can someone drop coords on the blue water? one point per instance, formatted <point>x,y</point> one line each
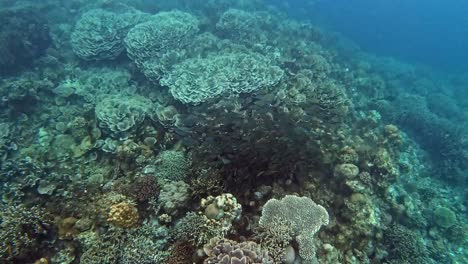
<point>431,32</point>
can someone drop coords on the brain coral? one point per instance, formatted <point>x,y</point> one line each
<point>99,34</point>
<point>200,79</point>
<point>165,31</point>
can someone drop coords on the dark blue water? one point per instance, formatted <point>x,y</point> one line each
<point>430,32</point>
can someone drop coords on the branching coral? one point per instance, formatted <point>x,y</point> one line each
<point>145,245</point>
<point>198,80</point>
<point>406,246</point>
<point>145,188</point>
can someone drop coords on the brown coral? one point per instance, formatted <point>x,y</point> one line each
<point>124,215</point>
<point>181,253</point>
<point>145,188</point>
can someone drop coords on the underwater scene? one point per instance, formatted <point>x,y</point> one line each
<point>232,132</point>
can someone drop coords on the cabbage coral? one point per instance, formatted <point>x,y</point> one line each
<point>200,79</point>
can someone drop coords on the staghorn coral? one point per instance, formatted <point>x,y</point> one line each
<point>275,238</point>
<point>190,228</point>
<point>124,215</point>
<point>198,80</point>
<point>230,252</point>
<point>301,214</point>
<point>99,34</point>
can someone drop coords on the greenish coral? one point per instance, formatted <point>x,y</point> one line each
<point>174,195</point>
<point>200,79</point>
<point>172,165</point>
<point>241,25</point>
<point>406,246</point>
<point>302,215</point>
<point>163,32</point>
<point>444,217</point>
<point>95,83</point>
<point>121,116</point>
<point>99,34</point>
<point>189,228</point>
<point>154,45</point>
<point>145,245</point>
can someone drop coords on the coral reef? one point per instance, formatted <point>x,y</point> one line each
<point>221,131</point>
